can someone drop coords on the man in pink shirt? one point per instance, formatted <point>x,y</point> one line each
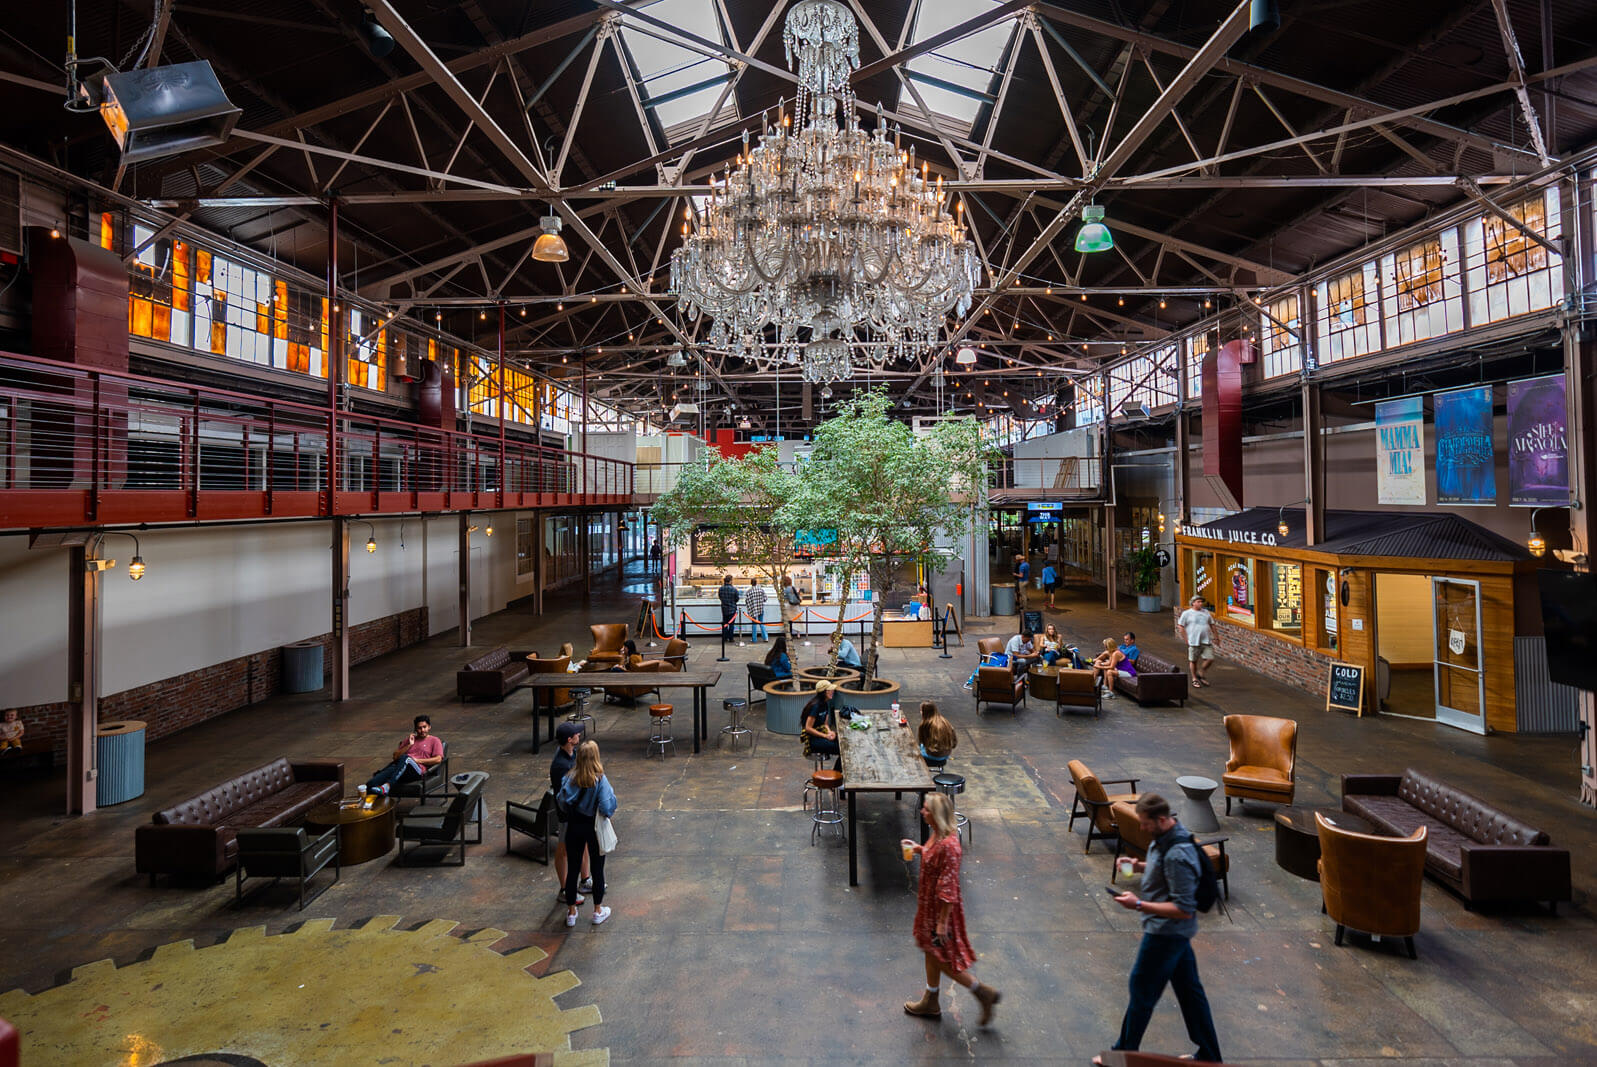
<point>414,758</point>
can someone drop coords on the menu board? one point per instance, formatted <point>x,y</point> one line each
<point>1344,689</point>
<point>1288,607</point>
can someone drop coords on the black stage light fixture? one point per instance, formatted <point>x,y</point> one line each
<point>379,42</point>
<point>161,111</point>
<point>1264,15</point>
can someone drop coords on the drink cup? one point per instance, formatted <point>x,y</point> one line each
<point>1126,867</point>
<point>909,849</point>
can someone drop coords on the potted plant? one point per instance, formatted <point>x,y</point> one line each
<point>1145,578</point>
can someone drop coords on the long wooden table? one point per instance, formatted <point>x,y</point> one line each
<point>880,761</point>
<point>698,681</point>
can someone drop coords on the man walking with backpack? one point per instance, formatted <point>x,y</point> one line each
<point>1176,884</point>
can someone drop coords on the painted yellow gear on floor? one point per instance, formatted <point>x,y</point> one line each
<point>316,995</point>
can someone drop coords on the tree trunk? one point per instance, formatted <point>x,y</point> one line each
<point>879,572</point>
<point>842,608</point>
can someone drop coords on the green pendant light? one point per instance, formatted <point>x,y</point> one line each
<point>1093,236</point>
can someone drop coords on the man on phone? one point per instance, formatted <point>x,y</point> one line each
<point>414,758</point>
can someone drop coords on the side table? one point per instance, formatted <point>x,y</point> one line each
<point>364,834</point>
<point>1297,838</point>
<point>1199,815</point>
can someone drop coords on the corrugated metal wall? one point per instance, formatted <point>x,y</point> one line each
<point>1541,705</point>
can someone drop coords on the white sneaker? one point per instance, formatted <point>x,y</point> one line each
<point>600,914</point>
<point>571,918</point>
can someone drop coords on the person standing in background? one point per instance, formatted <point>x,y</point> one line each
<point>1050,582</point>
<point>754,608</point>
<point>728,594</point>
<point>1197,626</point>
<point>569,736</point>
<point>1022,580</point>
<point>584,796</point>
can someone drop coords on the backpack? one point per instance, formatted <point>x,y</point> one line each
<point>1208,891</point>
<point>792,596</point>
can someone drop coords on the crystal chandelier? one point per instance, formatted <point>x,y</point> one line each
<point>824,234</point>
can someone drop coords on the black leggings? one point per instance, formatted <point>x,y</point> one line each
<point>580,835</point>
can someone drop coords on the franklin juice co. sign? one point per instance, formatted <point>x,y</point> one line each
<point>1235,537</point>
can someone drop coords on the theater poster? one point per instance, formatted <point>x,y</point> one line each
<point>1465,465</point>
<point>1538,454</point>
<point>1400,450</point>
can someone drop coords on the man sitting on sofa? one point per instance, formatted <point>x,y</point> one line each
<point>414,758</point>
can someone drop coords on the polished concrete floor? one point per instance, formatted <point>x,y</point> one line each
<point>734,940</point>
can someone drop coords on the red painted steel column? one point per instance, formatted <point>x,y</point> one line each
<point>504,405</point>
<point>82,684</point>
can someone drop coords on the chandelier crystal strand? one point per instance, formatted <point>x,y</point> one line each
<point>824,234</point>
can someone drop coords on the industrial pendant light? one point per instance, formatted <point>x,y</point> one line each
<point>550,247</point>
<point>1093,236</point>
<point>1264,15</point>
<point>379,42</point>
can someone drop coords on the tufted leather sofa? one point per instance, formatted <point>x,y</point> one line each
<point>197,837</point>
<point>493,674</point>
<point>1478,851</point>
<point>1155,682</point>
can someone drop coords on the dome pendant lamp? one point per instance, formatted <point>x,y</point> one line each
<point>550,247</point>
<point>1093,236</point>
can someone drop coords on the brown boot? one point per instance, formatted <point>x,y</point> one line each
<point>989,998</point>
<point>928,1006</point>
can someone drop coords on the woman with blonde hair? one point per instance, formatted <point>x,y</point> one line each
<point>940,914</point>
<point>584,796</point>
<point>1105,665</point>
<point>936,736</point>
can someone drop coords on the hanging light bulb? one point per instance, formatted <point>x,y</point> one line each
<point>371,544</point>
<point>136,568</point>
<point>550,247</point>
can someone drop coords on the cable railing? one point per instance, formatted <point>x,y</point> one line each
<point>80,445</point>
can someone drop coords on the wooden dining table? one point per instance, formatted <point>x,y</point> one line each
<point>884,759</point>
<point>698,681</point>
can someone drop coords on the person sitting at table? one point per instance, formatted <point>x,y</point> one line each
<point>819,724</point>
<point>413,758</point>
<point>936,736</point>
<point>777,660</point>
<point>1106,665</point>
<point>1021,652</point>
<point>1050,646</point>
<point>847,654</point>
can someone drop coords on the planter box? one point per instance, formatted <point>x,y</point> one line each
<point>1148,603</point>
<point>784,705</point>
<point>880,699</point>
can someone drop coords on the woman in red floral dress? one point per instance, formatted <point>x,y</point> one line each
<point>940,914</point>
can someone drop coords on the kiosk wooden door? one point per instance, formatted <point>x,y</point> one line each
<point>1460,674</point>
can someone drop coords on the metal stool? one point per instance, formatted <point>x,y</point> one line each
<point>579,712</point>
<point>827,813</point>
<point>819,761</point>
<point>734,727</point>
<point>660,730</point>
<point>951,785</point>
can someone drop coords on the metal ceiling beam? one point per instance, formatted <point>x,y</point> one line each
<point>1473,191</point>
<point>1516,70</point>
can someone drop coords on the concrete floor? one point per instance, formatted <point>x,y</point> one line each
<point>733,939</point>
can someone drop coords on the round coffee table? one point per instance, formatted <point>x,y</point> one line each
<point>1043,682</point>
<point>1297,838</point>
<point>364,834</point>
<point>1199,815</point>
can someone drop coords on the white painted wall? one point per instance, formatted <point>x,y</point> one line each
<point>213,594</point>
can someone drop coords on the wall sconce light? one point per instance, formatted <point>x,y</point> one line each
<point>1536,544</point>
<point>136,566</point>
<point>488,531</point>
<point>1281,528</point>
<point>371,540</point>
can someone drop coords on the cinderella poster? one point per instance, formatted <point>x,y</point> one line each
<point>1538,453</point>
<point>1465,463</point>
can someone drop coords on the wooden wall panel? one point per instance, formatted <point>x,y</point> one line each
<point>1497,652</point>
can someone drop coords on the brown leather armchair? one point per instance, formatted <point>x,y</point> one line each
<point>675,654</point>
<point>999,685</point>
<point>989,646</point>
<point>1264,751</point>
<point>633,692</point>
<point>607,638</point>
<point>560,664</point>
<point>1132,841</point>
<point>1093,802</point>
<point>1372,883</point>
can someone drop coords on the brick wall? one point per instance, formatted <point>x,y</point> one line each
<point>174,703</point>
<point>1284,661</point>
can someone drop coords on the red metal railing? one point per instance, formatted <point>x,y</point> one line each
<point>79,445</point>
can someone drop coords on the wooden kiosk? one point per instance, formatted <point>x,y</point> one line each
<point>1429,605</point>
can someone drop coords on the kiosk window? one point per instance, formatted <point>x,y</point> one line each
<point>1200,576</point>
<point>1236,588</point>
<point>1286,597</point>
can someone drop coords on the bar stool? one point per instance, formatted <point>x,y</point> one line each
<point>660,730</point>
<point>579,712</point>
<point>819,764</point>
<point>734,728</point>
<point>951,785</point>
<point>828,813</point>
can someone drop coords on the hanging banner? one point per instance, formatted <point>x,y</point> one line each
<point>1400,451</point>
<point>1465,470</point>
<point>1538,455</point>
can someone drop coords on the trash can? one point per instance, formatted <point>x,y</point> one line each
<point>119,757</point>
<point>302,667</point>
<point>1004,599</point>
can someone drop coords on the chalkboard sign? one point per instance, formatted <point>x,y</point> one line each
<point>640,628</point>
<point>1033,622</point>
<point>1345,689</point>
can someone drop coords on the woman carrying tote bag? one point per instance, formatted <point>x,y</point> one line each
<point>585,796</point>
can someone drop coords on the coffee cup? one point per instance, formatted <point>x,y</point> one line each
<point>1127,867</point>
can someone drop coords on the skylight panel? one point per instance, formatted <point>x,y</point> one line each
<point>678,83</point>
<point>970,63</point>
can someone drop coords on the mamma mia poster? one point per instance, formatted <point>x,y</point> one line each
<point>1538,455</point>
<point>1465,472</point>
<point>1400,450</point>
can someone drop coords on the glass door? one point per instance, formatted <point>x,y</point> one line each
<point>1460,679</point>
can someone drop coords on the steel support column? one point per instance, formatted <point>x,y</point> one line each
<point>335,459</point>
<point>1183,471</point>
<point>1313,466</point>
<point>463,568</point>
<point>1580,362</point>
<point>1106,481</point>
<point>83,681</point>
<point>504,407</point>
<point>340,586</point>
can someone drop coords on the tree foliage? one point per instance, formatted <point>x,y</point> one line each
<point>739,508</point>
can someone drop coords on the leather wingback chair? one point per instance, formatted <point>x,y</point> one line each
<point>1093,801</point>
<point>990,646</point>
<point>607,638</point>
<point>1130,840</point>
<point>1264,751</point>
<point>1372,883</point>
<point>633,692</point>
<point>560,664</point>
<point>675,655</point>
<point>999,685</point>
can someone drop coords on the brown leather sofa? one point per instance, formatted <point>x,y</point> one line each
<point>1156,681</point>
<point>1093,802</point>
<point>1263,759</point>
<point>493,674</point>
<point>559,664</point>
<point>1372,883</point>
<point>197,837</point>
<point>1479,851</point>
<point>1131,841</point>
<point>607,639</point>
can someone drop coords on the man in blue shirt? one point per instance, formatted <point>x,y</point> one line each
<point>1022,580</point>
<point>847,654</point>
<point>1050,581</point>
<point>1128,646</point>
<point>1169,910</point>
